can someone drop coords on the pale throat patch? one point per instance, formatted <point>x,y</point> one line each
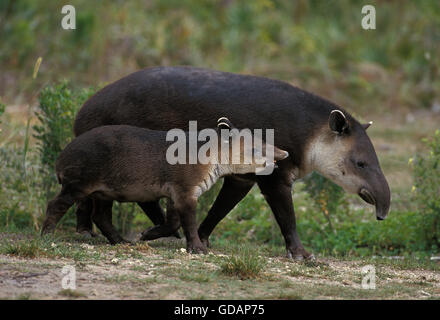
<point>325,154</point>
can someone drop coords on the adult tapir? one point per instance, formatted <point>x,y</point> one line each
<point>318,135</point>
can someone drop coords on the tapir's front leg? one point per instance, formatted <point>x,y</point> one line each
<point>186,208</point>
<point>56,209</point>
<point>277,190</point>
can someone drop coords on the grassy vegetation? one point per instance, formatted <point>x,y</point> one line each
<point>244,264</point>
<point>23,249</point>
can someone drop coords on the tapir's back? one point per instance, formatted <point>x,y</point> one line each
<point>168,97</point>
<point>122,151</point>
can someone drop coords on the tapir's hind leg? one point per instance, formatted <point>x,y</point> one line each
<point>155,212</point>
<point>56,209</point>
<point>102,217</point>
<point>83,212</point>
<point>165,228</point>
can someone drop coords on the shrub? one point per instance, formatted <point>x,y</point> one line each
<point>56,113</point>
<point>427,190</point>
<point>327,197</point>
<point>359,236</point>
<point>21,196</point>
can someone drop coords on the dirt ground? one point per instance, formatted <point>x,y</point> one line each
<point>163,270</point>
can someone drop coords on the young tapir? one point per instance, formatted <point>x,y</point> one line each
<point>130,164</point>
<point>318,134</point>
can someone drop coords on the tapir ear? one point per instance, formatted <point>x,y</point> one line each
<point>338,122</point>
<point>367,125</point>
<point>224,123</point>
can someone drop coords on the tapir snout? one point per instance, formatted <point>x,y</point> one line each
<point>378,194</point>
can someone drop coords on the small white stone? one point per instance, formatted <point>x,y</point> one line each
<point>425,293</point>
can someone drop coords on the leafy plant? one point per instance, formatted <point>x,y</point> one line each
<point>326,196</point>
<point>56,113</point>
<point>427,190</point>
<point>20,199</point>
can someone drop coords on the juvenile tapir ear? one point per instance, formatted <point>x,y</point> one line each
<point>224,123</point>
<point>367,125</point>
<point>338,122</point>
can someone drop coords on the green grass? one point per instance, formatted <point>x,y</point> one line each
<point>24,249</point>
<point>35,246</point>
<point>244,264</point>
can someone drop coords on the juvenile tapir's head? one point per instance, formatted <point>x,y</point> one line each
<point>342,151</point>
<point>245,154</point>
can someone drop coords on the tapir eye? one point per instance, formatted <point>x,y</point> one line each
<point>361,164</point>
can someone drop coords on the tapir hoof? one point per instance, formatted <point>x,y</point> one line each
<point>159,231</point>
<point>47,229</point>
<point>126,242</point>
<point>177,235</point>
<point>205,242</point>
<point>87,234</point>
<point>120,240</point>
<point>299,254</point>
<point>150,233</point>
<point>197,249</point>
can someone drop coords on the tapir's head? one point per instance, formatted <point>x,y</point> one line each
<point>245,154</point>
<point>342,151</point>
